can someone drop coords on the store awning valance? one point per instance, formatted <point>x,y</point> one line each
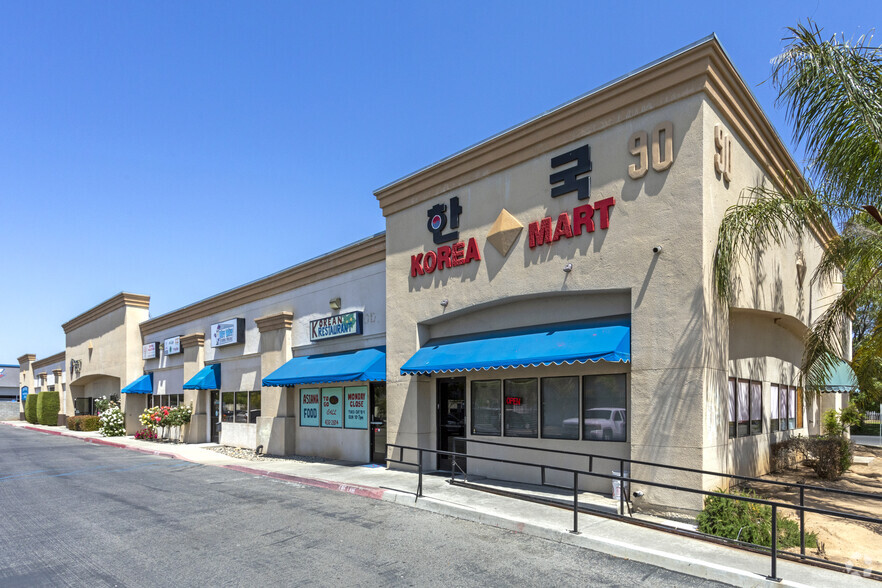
<point>208,378</point>
<point>842,379</point>
<point>142,385</point>
<point>549,346</point>
<point>352,366</point>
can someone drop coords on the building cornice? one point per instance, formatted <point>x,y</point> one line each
<point>58,357</point>
<point>57,372</point>
<point>192,340</point>
<point>360,254</point>
<point>121,300</point>
<point>704,67</point>
<point>27,357</point>
<point>275,322</point>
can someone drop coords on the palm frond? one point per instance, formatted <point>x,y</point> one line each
<point>766,217</point>
<point>832,92</point>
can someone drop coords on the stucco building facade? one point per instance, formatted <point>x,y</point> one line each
<point>548,289</point>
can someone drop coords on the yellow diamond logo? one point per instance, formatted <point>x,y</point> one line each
<point>504,232</point>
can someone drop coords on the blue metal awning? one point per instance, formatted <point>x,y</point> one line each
<point>353,366</point>
<point>142,385</point>
<point>525,348</point>
<point>208,378</point>
<point>842,379</point>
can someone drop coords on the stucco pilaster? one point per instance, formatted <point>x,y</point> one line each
<point>274,430</point>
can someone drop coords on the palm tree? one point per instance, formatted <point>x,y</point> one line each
<point>832,92</point>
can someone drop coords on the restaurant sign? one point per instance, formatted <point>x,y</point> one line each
<point>340,325</point>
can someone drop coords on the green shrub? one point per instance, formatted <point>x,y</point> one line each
<point>31,408</point>
<point>48,406</point>
<point>90,423</point>
<point>74,423</point>
<point>748,522</point>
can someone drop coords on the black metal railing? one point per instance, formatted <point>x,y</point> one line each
<point>624,479</point>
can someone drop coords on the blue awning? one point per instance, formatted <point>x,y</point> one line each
<point>208,378</point>
<point>142,385</point>
<point>842,379</point>
<point>353,366</point>
<point>525,348</point>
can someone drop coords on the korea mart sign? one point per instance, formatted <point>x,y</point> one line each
<point>341,325</point>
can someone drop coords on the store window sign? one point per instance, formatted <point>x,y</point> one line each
<point>512,401</point>
<point>332,407</point>
<point>148,351</point>
<point>310,405</point>
<point>228,332</point>
<point>341,325</point>
<point>172,345</point>
<point>356,407</point>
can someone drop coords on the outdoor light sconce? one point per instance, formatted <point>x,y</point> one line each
<point>335,303</point>
<point>657,249</point>
<point>444,303</point>
<point>800,267</point>
<point>568,268</point>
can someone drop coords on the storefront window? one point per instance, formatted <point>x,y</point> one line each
<point>791,408</point>
<point>254,406</point>
<point>486,409</point>
<point>775,405</point>
<point>521,405</point>
<point>604,407</point>
<point>743,408</point>
<point>732,403</point>
<point>560,408</point>
<point>228,403</point>
<point>241,407</point>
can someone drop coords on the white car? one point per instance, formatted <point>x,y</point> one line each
<point>602,424</point>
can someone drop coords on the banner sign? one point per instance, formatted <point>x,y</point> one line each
<point>349,323</point>
<point>228,332</point>
<point>356,407</point>
<point>332,407</point>
<point>172,345</point>
<point>309,407</point>
<point>149,351</point>
<point>24,394</point>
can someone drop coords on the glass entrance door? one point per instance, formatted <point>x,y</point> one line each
<point>214,417</point>
<point>378,422</point>
<point>451,418</point>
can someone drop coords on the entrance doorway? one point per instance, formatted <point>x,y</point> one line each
<point>214,417</point>
<point>451,418</point>
<point>378,422</point>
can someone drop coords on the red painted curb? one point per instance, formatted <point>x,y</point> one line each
<point>365,491</point>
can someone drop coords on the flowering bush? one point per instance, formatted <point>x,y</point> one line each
<point>113,423</point>
<point>166,416</point>
<point>146,434</point>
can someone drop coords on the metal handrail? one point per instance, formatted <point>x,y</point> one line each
<point>680,469</point>
<point>801,509</point>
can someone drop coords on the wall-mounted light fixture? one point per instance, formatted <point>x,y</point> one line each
<point>335,303</point>
<point>444,303</point>
<point>568,268</point>
<point>800,267</point>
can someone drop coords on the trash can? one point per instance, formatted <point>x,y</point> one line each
<point>617,486</point>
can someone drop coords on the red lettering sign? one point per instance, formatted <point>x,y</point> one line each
<point>512,401</point>
<point>446,257</point>
<point>583,218</point>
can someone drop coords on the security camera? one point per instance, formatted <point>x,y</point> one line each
<point>638,493</point>
<point>657,249</point>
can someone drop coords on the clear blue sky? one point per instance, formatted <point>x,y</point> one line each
<point>179,149</point>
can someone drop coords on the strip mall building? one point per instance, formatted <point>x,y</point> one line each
<point>550,287</point>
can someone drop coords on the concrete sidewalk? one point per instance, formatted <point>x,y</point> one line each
<point>667,550</point>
